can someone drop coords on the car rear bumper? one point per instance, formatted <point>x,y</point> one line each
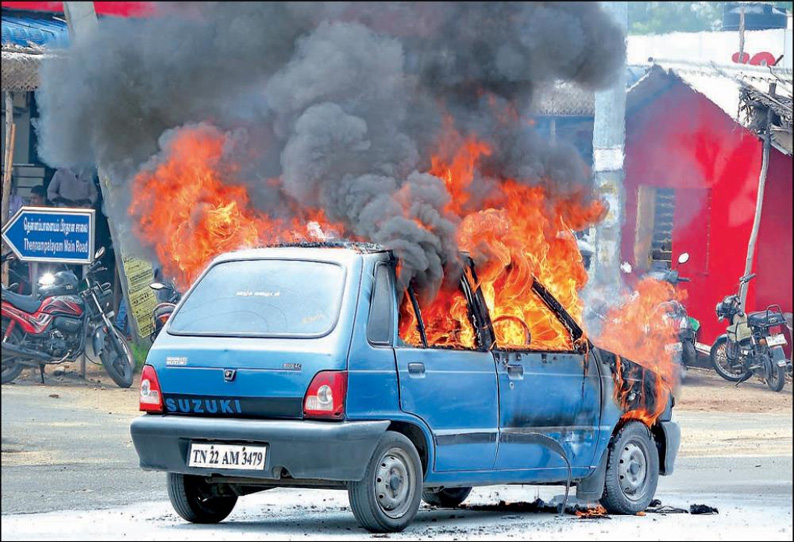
<point>337,451</point>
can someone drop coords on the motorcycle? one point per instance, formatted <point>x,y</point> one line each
<point>163,310</point>
<point>54,326</point>
<point>676,315</point>
<point>748,347</point>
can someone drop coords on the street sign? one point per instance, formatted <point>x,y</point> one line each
<point>51,234</point>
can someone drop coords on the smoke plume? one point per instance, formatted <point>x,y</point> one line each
<point>336,107</point>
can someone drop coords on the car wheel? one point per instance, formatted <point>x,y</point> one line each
<point>447,497</point>
<point>196,500</point>
<point>387,498</point>
<point>632,470</point>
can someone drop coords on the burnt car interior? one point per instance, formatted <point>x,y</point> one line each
<point>416,325</point>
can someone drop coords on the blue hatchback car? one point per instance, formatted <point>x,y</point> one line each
<point>282,367</point>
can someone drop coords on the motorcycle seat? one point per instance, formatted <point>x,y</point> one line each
<point>25,303</point>
<point>765,319</point>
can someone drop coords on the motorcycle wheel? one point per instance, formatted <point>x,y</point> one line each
<point>688,353</point>
<point>721,363</point>
<point>11,368</point>
<point>777,379</point>
<point>117,358</point>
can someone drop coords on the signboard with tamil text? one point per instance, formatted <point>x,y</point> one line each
<point>49,234</point>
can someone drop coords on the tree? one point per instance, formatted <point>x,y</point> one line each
<point>665,17</point>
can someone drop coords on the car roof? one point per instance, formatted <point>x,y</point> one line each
<point>337,251</point>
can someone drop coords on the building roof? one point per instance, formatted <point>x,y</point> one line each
<point>32,29</point>
<point>20,67</point>
<point>565,100</point>
<point>743,92</point>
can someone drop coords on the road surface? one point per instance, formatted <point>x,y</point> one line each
<point>69,471</point>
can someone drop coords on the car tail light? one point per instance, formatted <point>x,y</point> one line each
<point>151,399</point>
<point>325,397</point>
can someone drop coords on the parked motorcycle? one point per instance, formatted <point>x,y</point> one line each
<point>163,310</point>
<point>676,315</point>
<point>749,347</point>
<point>54,326</point>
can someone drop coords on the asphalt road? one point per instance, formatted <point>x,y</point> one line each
<point>66,457</point>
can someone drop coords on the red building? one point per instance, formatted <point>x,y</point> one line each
<point>692,173</point>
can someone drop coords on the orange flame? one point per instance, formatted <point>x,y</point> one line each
<point>640,330</point>
<point>190,215</point>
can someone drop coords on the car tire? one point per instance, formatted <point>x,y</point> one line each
<point>194,500</point>
<point>387,498</point>
<point>632,470</point>
<point>450,497</point>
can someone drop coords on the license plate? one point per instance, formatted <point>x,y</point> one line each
<point>776,340</point>
<point>227,456</point>
<point>673,347</point>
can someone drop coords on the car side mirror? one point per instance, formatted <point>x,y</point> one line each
<point>683,258</point>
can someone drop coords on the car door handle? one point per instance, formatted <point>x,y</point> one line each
<point>417,369</point>
<point>515,371</point>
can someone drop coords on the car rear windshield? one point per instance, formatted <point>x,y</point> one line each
<point>263,298</point>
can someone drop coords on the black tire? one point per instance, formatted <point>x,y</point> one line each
<point>117,358</point>
<point>193,499</point>
<point>450,497</point>
<point>632,470</point>
<point>11,367</point>
<point>384,505</point>
<point>719,360</point>
<point>777,379</point>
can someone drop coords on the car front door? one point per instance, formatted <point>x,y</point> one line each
<point>549,408</point>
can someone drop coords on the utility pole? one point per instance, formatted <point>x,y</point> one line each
<point>759,204</point>
<point>609,134</point>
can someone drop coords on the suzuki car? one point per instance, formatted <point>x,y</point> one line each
<point>284,367</point>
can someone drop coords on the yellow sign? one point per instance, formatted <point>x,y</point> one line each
<point>140,275</point>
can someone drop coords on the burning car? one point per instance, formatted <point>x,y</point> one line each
<point>307,366</point>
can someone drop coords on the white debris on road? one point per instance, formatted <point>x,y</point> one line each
<point>285,514</point>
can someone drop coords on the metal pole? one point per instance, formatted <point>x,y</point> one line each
<point>741,36</point>
<point>759,203</point>
<point>8,163</point>
<point>34,270</point>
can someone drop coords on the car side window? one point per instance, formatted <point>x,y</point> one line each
<point>381,317</point>
<point>445,321</point>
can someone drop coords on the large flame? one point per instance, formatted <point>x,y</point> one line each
<point>640,329</point>
<point>190,215</point>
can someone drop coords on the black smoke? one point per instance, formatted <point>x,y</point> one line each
<point>343,102</point>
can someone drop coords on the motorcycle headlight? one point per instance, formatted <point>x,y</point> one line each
<point>46,279</point>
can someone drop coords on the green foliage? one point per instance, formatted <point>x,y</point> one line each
<point>139,353</point>
<point>665,17</point>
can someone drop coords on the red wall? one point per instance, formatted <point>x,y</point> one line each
<point>683,141</point>
<point>121,9</point>
<point>774,254</point>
